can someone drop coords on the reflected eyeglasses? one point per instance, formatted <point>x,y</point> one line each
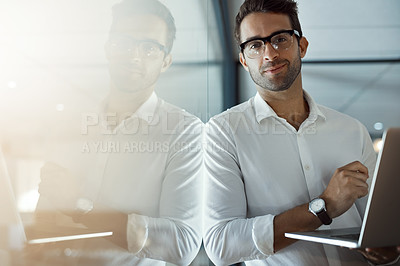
<point>143,48</point>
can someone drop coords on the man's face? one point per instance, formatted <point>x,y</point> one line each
<point>135,52</point>
<point>274,70</point>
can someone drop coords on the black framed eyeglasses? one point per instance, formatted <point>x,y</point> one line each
<point>280,40</point>
<point>122,46</point>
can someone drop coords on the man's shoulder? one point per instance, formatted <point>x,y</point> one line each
<point>340,121</point>
<point>166,109</point>
<point>337,116</point>
<point>244,110</point>
<point>177,120</point>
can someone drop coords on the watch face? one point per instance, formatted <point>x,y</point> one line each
<point>84,205</point>
<point>317,205</point>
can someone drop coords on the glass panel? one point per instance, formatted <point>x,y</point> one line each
<point>60,108</point>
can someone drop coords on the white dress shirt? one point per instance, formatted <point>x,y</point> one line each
<point>148,167</point>
<point>259,166</point>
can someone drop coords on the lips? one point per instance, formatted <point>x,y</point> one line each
<point>275,69</point>
<point>132,69</point>
<point>127,66</point>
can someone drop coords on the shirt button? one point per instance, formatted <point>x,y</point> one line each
<point>307,167</point>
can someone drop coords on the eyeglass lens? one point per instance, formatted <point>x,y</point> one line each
<point>135,47</point>
<point>279,42</point>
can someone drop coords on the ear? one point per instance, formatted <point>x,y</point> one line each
<point>303,44</point>
<point>166,63</point>
<point>243,61</point>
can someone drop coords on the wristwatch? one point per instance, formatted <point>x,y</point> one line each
<point>82,206</point>
<point>317,207</point>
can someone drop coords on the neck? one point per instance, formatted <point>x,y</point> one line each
<point>289,104</point>
<point>126,103</point>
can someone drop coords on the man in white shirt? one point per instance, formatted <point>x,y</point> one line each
<point>138,162</point>
<point>267,158</point>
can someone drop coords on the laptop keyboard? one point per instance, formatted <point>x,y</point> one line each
<point>348,236</point>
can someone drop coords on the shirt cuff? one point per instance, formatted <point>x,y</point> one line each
<point>137,232</point>
<point>263,234</point>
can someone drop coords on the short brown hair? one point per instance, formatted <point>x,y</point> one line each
<point>288,7</point>
<point>131,8</point>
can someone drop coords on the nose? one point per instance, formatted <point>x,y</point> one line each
<point>269,52</point>
<point>134,53</point>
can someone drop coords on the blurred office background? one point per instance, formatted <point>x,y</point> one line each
<point>52,62</point>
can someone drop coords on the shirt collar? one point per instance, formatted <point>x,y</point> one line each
<point>263,110</point>
<point>145,112</point>
<point>315,111</point>
<point>147,109</point>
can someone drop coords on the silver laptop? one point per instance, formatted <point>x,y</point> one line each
<point>14,236</point>
<point>381,223</point>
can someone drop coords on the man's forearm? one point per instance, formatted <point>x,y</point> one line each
<point>293,220</point>
<point>110,221</point>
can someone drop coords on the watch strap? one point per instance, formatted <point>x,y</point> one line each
<point>324,217</point>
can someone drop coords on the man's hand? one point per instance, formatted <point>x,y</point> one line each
<point>347,184</point>
<point>380,255</point>
<point>59,187</point>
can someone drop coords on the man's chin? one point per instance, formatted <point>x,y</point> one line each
<point>277,89</point>
<point>273,87</point>
<point>130,84</point>
<point>129,89</point>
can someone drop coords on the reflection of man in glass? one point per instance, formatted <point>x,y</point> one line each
<point>138,50</point>
<point>146,184</point>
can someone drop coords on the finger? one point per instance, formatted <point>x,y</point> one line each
<point>358,183</point>
<point>356,166</point>
<point>374,255</point>
<point>357,175</point>
<point>367,255</point>
<point>52,178</point>
<point>357,188</point>
<point>385,253</point>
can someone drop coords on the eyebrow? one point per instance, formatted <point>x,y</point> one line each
<point>256,37</point>
<point>128,37</point>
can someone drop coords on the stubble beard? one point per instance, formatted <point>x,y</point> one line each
<point>279,83</point>
<point>124,82</point>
